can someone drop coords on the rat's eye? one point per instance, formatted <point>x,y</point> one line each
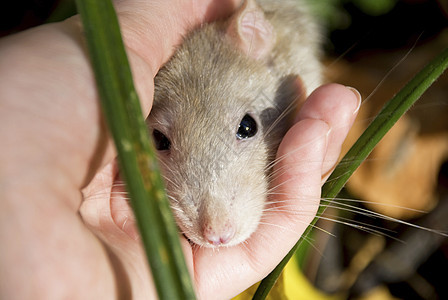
<point>247,128</point>
<point>161,141</point>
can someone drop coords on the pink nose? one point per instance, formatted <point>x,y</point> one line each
<point>219,236</point>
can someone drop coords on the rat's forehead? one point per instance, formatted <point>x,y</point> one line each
<point>204,91</point>
<point>210,62</point>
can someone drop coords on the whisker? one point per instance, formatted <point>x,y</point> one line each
<point>364,224</point>
<point>360,227</point>
<point>392,69</point>
<point>337,200</point>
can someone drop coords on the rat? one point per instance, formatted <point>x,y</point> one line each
<point>222,104</point>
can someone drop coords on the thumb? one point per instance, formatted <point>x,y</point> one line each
<point>152,29</point>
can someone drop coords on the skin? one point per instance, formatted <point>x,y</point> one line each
<point>58,245</point>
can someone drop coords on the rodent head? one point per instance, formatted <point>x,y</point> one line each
<point>217,119</point>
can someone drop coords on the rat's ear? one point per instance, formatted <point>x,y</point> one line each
<point>250,31</point>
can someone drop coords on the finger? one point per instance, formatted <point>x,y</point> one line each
<point>106,212</point>
<point>152,29</point>
<point>338,106</point>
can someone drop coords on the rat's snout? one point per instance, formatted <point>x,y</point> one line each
<point>218,235</point>
<point>216,224</point>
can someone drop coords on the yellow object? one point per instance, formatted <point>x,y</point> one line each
<point>291,285</point>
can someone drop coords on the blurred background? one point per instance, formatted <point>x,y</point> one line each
<point>374,245</point>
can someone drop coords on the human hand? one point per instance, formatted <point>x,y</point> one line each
<point>60,244</point>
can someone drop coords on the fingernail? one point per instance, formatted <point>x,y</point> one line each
<point>358,97</point>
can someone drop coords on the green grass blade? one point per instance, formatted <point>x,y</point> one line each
<point>136,154</point>
<point>385,119</point>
